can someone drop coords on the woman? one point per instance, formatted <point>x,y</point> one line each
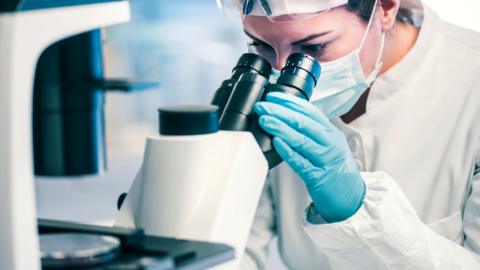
<point>382,169</point>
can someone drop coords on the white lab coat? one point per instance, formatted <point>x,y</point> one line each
<point>418,147</point>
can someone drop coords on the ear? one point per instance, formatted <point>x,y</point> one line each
<point>387,13</point>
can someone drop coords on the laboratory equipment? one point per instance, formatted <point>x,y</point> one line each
<point>197,182</point>
<point>51,85</point>
<point>298,77</point>
<point>203,174</point>
<point>69,244</point>
<point>27,28</point>
<point>248,62</point>
<point>68,107</point>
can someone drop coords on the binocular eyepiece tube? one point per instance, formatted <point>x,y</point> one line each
<point>248,62</point>
<point>249,84</point>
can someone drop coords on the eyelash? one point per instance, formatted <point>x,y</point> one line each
<point>258,44</point>
<point>314,50</point>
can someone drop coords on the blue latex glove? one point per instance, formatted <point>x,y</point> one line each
<point>317,151</point>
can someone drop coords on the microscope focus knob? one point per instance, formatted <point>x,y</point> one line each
<point>182,120</point>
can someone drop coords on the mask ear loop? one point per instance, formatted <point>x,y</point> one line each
<point>378,64</point>
<point>380,53</point>
<point>382,44</point>
<point>369,24</point>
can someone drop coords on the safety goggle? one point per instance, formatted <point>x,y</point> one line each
<point>239,9</point>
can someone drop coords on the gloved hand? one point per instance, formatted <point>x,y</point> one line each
<point>317,151</point>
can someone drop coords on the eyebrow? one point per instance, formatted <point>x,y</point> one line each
<point>254,38</point>
<point>310,37</point>
<point>295,43</point>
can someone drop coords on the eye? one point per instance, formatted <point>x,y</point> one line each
<point>262,49</point>
<point>315,50</point>
<point>259,45</point>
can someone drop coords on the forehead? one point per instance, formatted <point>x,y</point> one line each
<point>333,20</point>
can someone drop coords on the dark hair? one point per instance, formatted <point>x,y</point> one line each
<point>363,8</point>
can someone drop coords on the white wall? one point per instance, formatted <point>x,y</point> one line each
<point>187,46</point>
<point>462,12</point>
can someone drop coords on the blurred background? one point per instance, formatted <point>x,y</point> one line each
<point>188,47</point>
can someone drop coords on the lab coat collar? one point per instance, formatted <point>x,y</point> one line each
<point>389,83</point>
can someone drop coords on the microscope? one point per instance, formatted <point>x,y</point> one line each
<point>196,193</point>
<point>203,173</point>
<point>51,114</point>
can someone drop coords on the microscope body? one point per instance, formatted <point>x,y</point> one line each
<point>199,183</point>
<point>27,28</point>
<point>203,187</point>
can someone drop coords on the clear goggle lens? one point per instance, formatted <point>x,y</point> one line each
<point>239,9</point>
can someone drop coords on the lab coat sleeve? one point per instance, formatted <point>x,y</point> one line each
<point>262,232</point>
<point>471,217</point>
<point>386,233</point>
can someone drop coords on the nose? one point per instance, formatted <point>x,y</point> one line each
<point>281,60</point>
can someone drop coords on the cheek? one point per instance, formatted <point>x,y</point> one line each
<point>348,40</point>
<point>340,48</point>
<point>371,50</point>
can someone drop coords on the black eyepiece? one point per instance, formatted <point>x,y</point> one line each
<point>301,72</point>
<point>249,84</point>
<point>250,62</point>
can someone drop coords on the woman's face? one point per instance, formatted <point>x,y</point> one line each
<point>327,36</point>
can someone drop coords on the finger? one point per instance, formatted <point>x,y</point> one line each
<point>305,125</point>
<point>299,105</point>
<point>311,150</point>
<point>302,166</point>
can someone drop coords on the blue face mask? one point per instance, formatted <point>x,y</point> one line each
<point>342,81</point>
